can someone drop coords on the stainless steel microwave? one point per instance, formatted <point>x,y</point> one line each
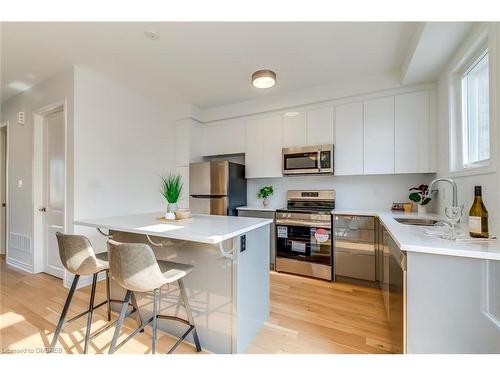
<point>308,160</point>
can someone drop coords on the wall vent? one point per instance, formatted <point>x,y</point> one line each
<point>20,242</point>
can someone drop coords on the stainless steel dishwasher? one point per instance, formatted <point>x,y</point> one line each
<point>355,247</point>
<point>394,291</point>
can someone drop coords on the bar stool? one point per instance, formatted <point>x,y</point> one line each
<point>78,257</point>
<point>135,268</point>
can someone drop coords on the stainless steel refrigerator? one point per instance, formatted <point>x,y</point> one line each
<point>217,187</point>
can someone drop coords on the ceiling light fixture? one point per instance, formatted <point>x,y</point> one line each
<point>292,114</point>
<point>151,35</point>
<point>264,79</point>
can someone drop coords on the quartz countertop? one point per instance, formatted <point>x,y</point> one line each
<point>411,238</point>
<point>210,229</point>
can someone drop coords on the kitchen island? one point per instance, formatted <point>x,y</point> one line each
<point>229,286</point>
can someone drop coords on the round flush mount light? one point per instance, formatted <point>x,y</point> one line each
<point>152,35</point>
<point>264,79</point>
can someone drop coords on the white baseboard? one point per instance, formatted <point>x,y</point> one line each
<point>19,265</point>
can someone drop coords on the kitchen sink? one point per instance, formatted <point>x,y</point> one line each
<point>416,221</point>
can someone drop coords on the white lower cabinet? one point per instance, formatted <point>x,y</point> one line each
<point>378,132</point>
<point>412,133</point>
<point>263,147</point>
<point>348,159</point>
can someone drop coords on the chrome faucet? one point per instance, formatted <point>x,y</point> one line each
<point>453,185</point>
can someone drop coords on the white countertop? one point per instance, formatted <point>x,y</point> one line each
<point>259,208</point>
<point>210,229</point>
<point>411,238</point>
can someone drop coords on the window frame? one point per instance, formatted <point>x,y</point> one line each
<point>479,54</point>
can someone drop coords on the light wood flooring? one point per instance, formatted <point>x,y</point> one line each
<point>307,316</point>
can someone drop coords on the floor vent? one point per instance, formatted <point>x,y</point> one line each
<point>20,242</point>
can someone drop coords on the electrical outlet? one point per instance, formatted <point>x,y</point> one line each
<point>243,243</point>
<point>20,118</point>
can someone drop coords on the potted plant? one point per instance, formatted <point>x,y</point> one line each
<point>419,196</point>
<point>171,189</point>
<point>264,193</point>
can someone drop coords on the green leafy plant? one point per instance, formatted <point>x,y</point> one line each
<point>418,195</point>
<point>171,187</point>
<point>265,192</point>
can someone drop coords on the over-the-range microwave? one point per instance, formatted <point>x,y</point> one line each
<point>307,160</point>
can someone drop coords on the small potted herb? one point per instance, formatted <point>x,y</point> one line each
<point>264,193</point>
<point>171,189</point>
<point>419,196</point>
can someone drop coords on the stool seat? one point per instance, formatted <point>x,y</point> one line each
<point>172,271</point>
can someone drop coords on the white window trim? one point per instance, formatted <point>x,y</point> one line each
<point>476,47</point>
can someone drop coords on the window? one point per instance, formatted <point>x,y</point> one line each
<point>476,113</point>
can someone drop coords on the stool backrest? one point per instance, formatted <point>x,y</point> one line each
<point>77,254</point>
<point>134,267</point>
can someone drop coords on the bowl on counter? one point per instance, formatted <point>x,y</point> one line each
<point>182,214</point>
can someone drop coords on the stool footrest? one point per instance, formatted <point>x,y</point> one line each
<point>108,326</point>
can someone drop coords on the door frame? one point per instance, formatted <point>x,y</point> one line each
<point>39,251</point>
<point>5,125</point>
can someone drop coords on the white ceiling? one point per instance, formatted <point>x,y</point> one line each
<point>209,64</point>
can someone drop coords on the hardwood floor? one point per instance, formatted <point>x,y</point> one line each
<point>307,316</point>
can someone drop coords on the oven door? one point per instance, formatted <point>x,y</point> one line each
<point>301,160</point>
<point>305,243</point>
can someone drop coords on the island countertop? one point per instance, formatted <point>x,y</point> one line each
<point>211,229</point>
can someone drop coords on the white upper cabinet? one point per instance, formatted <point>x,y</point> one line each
<point>378,143</point>
<point>320,126</point>
<point>294,130</point>
<point>263,147</point>
<point>412,133</point>
<point>348,149</point>
<point>223,137</point>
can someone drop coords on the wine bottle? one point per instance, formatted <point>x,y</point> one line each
<point>478,216</point>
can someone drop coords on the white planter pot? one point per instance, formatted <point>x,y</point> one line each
<point>422,210</point>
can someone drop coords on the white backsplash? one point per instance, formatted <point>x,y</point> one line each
<point>357,192</point>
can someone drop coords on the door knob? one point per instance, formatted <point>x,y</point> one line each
<point>42,209</point>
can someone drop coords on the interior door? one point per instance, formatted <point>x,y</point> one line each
<point>3,186</point>
<point>54,190</point>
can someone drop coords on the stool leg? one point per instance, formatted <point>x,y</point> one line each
<point>119,323</point>
<point>155,320</point>
<point>90,314</point>
<point>108,293</point>
<point>137,314</point>
<point>63,313</point>
<point>189,314</point>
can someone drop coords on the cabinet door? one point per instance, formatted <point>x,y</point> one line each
<point>223,137</point>
<point>254,149</point>
<point>272,140</point>
<point>294,130</point>
<point>412,133</point>
<point>182,144</point>
<point>263,147</point>
<point>320,126</point>
<point>378,133</point>
<point>348,139</point>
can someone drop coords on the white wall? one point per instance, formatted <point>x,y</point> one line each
<point>352,192</point>
<point>21,153</point>
<point>123,143</point>
<point>490,181</point>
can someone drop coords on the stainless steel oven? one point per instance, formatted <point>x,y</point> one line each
<point>308,160</point>
<point>304,243</point>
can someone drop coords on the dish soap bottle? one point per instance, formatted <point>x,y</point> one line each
<point>478,216</point>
